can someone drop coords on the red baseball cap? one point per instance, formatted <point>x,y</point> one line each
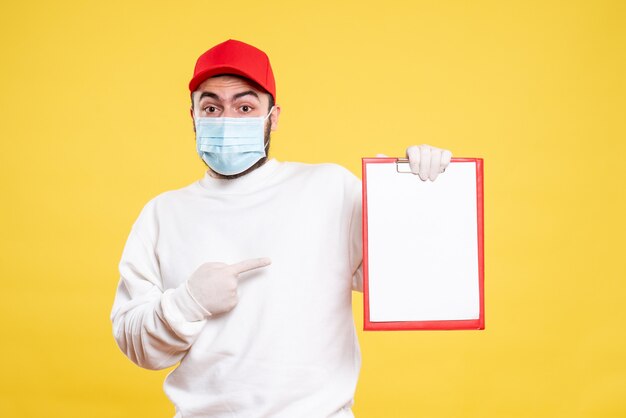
<point>235,57</point>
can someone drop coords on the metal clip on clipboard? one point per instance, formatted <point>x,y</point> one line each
<point>402,165</point>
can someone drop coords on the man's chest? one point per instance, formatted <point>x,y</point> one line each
<point>297,230</point>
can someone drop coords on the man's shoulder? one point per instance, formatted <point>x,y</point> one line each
<point>324,170</point>
<point>175,194</point>
<point>326,179</point>
<point>169,198</point>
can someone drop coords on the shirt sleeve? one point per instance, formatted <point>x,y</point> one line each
<point>153,326</point>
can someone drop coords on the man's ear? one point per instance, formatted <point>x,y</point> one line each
<point>274,118</point>
<point>193,120</point>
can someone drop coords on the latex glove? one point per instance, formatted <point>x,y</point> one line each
<point>428,162</point>
<point>214,285</point>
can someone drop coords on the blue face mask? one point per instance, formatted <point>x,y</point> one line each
<point>231,145</point>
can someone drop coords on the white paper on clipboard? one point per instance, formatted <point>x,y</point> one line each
<point>423,261</point>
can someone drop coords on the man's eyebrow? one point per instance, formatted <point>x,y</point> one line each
<point>235,97</point>
<point>208,94</point>
<point>246,93</point>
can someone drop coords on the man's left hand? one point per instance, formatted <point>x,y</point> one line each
<point>428,162</point>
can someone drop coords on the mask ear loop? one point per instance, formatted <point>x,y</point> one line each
<point>264,119</point>
<point>269,113</point>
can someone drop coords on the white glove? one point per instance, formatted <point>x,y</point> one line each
<point>428,162</point>
<point>214,285</point>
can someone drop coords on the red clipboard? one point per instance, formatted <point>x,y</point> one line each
<point>457,299</point>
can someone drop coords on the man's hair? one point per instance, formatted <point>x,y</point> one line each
<point>271,98</point>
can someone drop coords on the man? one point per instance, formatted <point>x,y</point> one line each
<point>244,277</point>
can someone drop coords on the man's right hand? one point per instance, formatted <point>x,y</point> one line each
<point>214,285</point>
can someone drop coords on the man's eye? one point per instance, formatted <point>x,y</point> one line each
<point>246,108</point>
<point>210,109</point>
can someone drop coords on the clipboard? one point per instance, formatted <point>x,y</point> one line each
<point>423,247</point>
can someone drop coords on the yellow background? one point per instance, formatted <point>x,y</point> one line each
<point>95,122</point>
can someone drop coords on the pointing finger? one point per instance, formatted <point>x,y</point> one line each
<point>251,264</point>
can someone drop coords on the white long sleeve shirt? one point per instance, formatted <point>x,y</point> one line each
<point>289,347</point>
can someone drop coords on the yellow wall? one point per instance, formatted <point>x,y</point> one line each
<point>95,122</point>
